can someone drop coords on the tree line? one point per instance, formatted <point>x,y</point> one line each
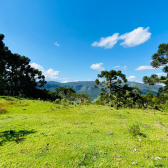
<point>116,95</point>
<point>18,78</point>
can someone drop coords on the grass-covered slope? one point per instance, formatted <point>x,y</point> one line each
<point>87,87</point>
<point>41,134</point>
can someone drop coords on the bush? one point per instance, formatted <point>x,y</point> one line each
<point>88,102</point>
<point>165,106</point>
<point>3,111</point>
<point>57,101</point>
<point>134,130</point>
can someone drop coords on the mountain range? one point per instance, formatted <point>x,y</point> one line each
<point>87,87</point>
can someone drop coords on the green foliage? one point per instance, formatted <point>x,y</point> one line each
<point>45,94</point>
<point>118,95</point>
<point>134,130</point>
<point>165,106</point>
<point>3,111</point>
<point>87,87</point>
<point>83,98</point>
<point>63,101</point>
<point>65,93</point>
<point>17,77</point>
<point>88,102</point>
<point>57,101</point>
<point>159,59</point>
<point>112,78</point>
<point>54,135</point>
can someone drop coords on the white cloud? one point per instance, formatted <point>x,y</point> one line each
<point>161,74</point>
<point>136,37</point>
<point>107,42</point>
<point>144,68</point>
<point>97,66</point>
<point>65,81</point>
<point>56,43</point>
<point>36,66</point>
<point>132,78</point>
<point>131,39</point>
<point>50,74</point>
<point>125,67</point>
<point>116,67</point>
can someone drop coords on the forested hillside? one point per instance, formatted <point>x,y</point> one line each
<point>87,87</point>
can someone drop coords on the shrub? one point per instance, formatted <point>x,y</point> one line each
<point>3,111</point>
<point>88,102</point>
<point>134,130</point>
<point>57,101</point>
<point>10,103</point>
<point>165,106</point>
<point>65,101</point>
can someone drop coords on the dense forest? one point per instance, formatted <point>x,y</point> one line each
<point>18,78</point>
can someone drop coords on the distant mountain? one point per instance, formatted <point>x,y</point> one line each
<point>87,87</point>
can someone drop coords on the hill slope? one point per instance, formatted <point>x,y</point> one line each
<point>87,87</point>
<point>40,134</point>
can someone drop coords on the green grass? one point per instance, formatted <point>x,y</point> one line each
<point>35,133</point>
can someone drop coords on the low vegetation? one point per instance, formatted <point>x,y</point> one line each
<point>3,110</point>
<point>36,133</point>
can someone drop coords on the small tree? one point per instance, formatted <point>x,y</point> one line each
<point>111,82</point>
<point>82,97</point>
<point>112,78</point>
<point>65,93</point>
<point>118,95</point>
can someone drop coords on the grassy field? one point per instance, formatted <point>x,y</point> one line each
<point>35,133</point>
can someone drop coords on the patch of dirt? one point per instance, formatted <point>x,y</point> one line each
<point>158,125</point>
<point>124,123</point>
<point>110,133</point>
<point>146,126</point>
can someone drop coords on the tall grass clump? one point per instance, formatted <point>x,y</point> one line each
<point>134,130</point>
<point>3,111</point>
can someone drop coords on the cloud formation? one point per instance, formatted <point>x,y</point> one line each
<point>131,39</point>
<point>132,78</point>
<point>135,37</point>
<point>161,74</point>
<point>107,42</point>
<point>116,67</point>
<point>37,66</point>
<point>50,74</point>
<point>56,43</point>
<point>66,81</point>
<point>97,66</point>
<point>125,67</point>
<point>144,68</point>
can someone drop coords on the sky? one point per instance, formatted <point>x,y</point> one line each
<point>72,40</point>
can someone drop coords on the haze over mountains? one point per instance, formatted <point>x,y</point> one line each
<point>87,87</point>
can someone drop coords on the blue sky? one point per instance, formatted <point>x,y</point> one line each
<point>74,40</point>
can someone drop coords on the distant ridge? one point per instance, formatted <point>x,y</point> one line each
<point>87,87</point>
